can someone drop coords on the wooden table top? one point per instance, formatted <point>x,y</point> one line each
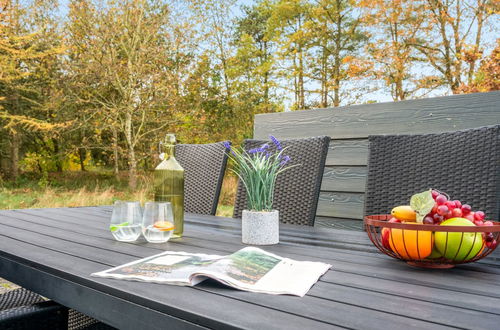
<point>54,251</point>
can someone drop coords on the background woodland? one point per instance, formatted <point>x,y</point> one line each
<point>88,85</point>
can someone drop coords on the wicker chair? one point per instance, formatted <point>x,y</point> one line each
<point>45,315</point>
<point>24,309</point>
<point>297,189</point>
<point>204,166</point>
<point>464,164</point>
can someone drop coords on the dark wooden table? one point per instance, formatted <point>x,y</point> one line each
<point>53,252</point>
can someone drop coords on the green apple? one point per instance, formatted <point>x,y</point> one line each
<point>435,254</point>
<point>458,246</point>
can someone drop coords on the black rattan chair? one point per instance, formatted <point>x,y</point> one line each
<point>464,164</point>
<point>24,309</point>
<point>17,298</point>
<point>204,166</point>
<point>297,189</point>
<point>45,315</point>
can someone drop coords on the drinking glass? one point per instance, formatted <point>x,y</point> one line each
<point>158,222</point>
<point>126,221</point>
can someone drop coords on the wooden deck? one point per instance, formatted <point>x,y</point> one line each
<point>53,251</point>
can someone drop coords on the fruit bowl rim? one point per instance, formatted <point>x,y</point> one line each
<point>382,220</point>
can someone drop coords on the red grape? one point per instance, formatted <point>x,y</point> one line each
<point>441,199</point>
<point>458,203</point>
<point>489,237</point>
<point>434,209</point>
<point>394,220</point>
<point>491,244</point>
<point>466,209</point>
<point>438,218</point>
<point>469,216</point>
<point>442,210</point>
<point>434,194</point>
<point>488,223</point>
<point>451,205</point>
<point>428,220</point>
<point>479,215</point>
<point>457,213</point>
<point>478,222</point>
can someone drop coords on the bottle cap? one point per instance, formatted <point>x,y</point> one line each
<point>170,139</point>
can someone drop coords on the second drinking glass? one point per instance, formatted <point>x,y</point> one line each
<point>158,222</point>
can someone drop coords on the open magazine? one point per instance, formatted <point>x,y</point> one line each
<point>249,269</point>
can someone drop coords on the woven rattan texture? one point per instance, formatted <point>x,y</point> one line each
<point>17,298</point>
<point>204,166</point>
<point>464,164</point>
<point>297,189</point>
<point>46,315</point>
<point>79,321</point>
<point>22,297</point>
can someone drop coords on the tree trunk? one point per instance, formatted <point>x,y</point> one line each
<point>400,93</point>
<point>57,156</point>
<point>15,142</point>
<point>132,173</point>
<point>115,152</point>
<point>132,162</point>
<point>323,76</point>
<point>82,154</point>
<point>266,81</point>
<point>337,60</point>
<point>480,21</point>
<point>295,81</point>
<point>302,102</point>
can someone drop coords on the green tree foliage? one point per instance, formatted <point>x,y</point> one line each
<point>125,63</point>
<point>30,49</point>
<point>100,82</point>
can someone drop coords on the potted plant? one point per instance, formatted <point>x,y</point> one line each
<point>258,169</point>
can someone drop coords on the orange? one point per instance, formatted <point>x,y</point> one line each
<point>411,244</point>
<point>163,225</point>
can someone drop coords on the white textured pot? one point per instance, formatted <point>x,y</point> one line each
<point>260,228</point>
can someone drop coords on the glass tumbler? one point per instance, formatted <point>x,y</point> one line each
<point>126,221</point>
<point>158,222</point>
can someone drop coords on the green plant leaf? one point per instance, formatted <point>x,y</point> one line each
<point>422,203</point>
<point>113,228</point>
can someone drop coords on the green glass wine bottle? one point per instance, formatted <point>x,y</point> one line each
<point>169,183</point>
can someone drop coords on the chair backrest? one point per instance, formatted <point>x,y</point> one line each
<point>297,189</point>
<point>204,166</point>
<point>464,164</point>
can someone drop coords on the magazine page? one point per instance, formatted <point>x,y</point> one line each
<point>167,267</point>
<point>253,269</point>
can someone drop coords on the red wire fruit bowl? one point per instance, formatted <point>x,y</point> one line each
<point>431,246</point>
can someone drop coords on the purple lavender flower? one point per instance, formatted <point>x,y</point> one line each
<point>285,160</point>
<point>262,148</point>
<point>227,144</point>
<point>276,142</point>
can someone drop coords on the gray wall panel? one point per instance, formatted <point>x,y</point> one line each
<point>344,178</point>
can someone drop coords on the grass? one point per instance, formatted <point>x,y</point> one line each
<point>92,188</point>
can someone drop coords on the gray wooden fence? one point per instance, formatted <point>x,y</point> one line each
<point>342,190</point>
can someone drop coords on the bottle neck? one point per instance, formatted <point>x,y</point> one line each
<point>169,150</point>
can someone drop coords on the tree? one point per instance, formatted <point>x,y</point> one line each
<point>447,39</point>
<point>29,51</point>
<point>286,27</point>
<point>124,62</point>
<point>394,28</point>
<point>487,78</point>
<point>254,60</point>
<point>335,28</point>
